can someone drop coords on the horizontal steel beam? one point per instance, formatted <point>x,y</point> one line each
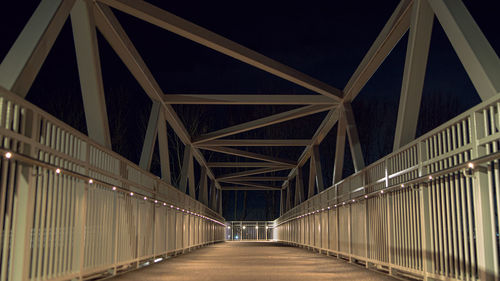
<point>250,184</point>
<point>277,99</point>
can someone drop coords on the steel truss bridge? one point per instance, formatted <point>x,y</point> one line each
<point>71,208</point>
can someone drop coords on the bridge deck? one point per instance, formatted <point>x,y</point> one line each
<point>252,261</point>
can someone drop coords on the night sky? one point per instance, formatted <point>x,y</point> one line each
<point>324,39</point>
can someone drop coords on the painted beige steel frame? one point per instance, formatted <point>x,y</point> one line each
<point>251,155</point>
<point>154,15</point>
<point>262,122</point>
<point>251,172</point>
<point>257,142</point>
<point>249,99</point>
<point>20,66</point>
<point>89,69</point>
<point>414,72</point>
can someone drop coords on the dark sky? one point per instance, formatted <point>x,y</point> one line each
<point>324,39</point>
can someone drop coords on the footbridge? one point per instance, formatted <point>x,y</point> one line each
<point>72,208</point>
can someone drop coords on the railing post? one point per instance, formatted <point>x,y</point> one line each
<point>487,256</point>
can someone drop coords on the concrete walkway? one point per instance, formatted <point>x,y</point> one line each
<point>241,261</point>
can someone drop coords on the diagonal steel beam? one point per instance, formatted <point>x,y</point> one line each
<point>257,142</point>
<point>250,184</point>
<point>112,30</point>
<point>263,122</point>
<point>278,99</point>
<point>251,155</point>
<point>22,63</point>
<point>393,31</point>
<point>243,164</point>
<point>250,173</point>
<point>261,179</point>
<point>154,15</point>
<point>248,188</point>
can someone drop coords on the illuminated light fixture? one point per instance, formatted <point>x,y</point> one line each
<point>164,204</point>
<point>158,259</point>
<point>402,185</point>
<point>430,177</point>
<point>171,206</point>
<point>91,181</point>
<point>366,196</point>
<point>131,194</point>
<point>328,207</point>
<point>183,210</point>
<point>156,201</point>
<point>145,198</point>
<point>353,200</point>
<point>471,165</point>
<point>228,227</point>
<point>244,227</point>
<point>382,191</point>
<point>256,227</point>
<point>267,227</point>
<point>335,205</point>
<point>343,203</point>
<point>114,188</point>
<point>323,209</point>
<point>58,171</point>
<point>177,208</point>
<point>8,155</point>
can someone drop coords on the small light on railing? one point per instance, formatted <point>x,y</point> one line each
<point>228,227</point>
<point>156,201</point>
<point>430,177</point>
<point>113,188</point>
<point>323,209</point>
<point>8,155</point>
<point>471,165</point>
<point>343,203</point>
<point>328,207</point>
<point>58,171</point>
<point>244,227</point>
<point>382,191</point>
<point>335,205</point>
<point>91,181</point>
<point>366,196</point>
<point>183,210</point>
<point>164,204</point>
<point>131,194</point>
<point>145,198</point>
<point>177,208</point>
<point>256,227</point>
<point>171,206</point>
<point>402,185</point>
<point>267,227</point>
<point>353,200</point>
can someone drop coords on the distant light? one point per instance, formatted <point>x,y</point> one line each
<point>402,185</point>
<point>267,227</point>
<point>343,203</point>
<point>228,227</point>
<point>244,227</point>
<point>145,198</point>
<point>430,177</point>
<point>91,181</point>
<point>171,206</point>
<point>177,208</point>
<point>236,237</point>
<point>58,171</point>
<point>131,194</point>
<point>114,188</point>
<point>382,191</point>
<point>256,227</point>
<point>8,155</point>
<point>156,201</point>
<point>353,200</point>
<point>366,196</point>
<point>471,165</point>
<point>328,207</point>
<point>164,204</point>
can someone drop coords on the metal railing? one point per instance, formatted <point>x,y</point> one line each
<point>429,209</point>
<point>249,230</point>
<point>71,209</point>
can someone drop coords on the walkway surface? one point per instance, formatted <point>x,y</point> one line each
<point>241,261</point>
